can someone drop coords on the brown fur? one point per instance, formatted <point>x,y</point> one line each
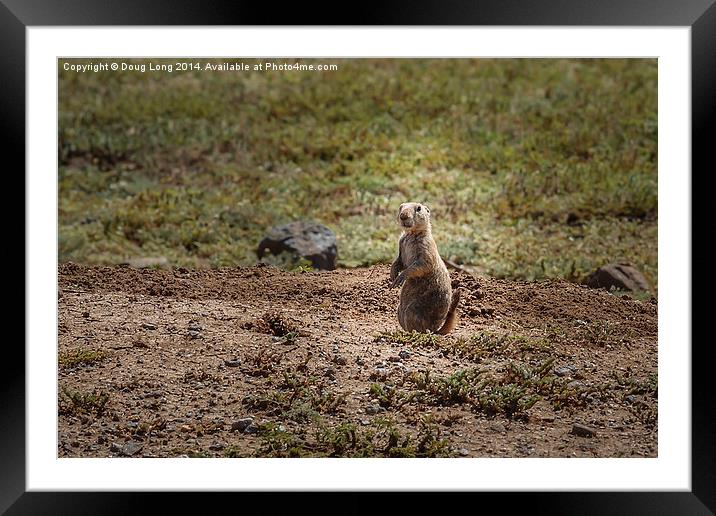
<point>427,302</point>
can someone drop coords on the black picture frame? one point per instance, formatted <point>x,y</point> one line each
<point>699,15</point>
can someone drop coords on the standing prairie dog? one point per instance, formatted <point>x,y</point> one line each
<point>427,302</point>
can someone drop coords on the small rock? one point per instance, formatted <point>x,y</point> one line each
<point>232,363</point>
<point>576,384</point>
<point>360,361</point>
<point>565,370</point>
<point>251,429</point>
<point>85,315</point>
<point>241,425</point>
<point>372,409</point>
<point>583,430</point>
<point>194,327</point>
<point>620,276</point>
<point>312,241</point>
<point>381,373</point>
<point>394,359</point>
<point>194,334</point>
<point>404,354</point>
<point>330,372</point>
<point>129,449</point>
<point>281,428</point>
<point>464,452</point>
<point>149,326</point>
<point>364,422</point>
<point>340,360</point>
<point>216,447</point>
<point>185,428</point>
<point>631,399</point>
<point>497,427</point>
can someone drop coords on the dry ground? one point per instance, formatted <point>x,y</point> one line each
<point>262,362</point>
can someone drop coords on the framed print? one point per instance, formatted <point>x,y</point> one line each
<point>390,257</point>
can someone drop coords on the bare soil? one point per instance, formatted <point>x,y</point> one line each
<point>262,362</point>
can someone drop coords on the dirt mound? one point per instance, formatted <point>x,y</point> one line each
<point>262,362</point>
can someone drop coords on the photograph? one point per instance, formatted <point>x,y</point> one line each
<point>357,257</point>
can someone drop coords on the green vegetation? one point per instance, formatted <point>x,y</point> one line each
<point>533,168</point>
<point>80,357</point>
<point>480,345</point>
<point>382,438</point>
<point>77,402</point>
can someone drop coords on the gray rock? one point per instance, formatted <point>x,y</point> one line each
<point>216,447</point>
<point>631,398</point>
<point>565,370</point>
<point>251,429</point>
<point>381,373</point>
<point>241,425</point>
<point>127,450</point>
<point>312,241</point>
<point>232,363</point>
<point>372,409</point>
<point>404,354</point>
<point>149,326</point>
<point>620,276</point>
<point>464,452</point>
<point>340,360</point>
<point>583,430</point>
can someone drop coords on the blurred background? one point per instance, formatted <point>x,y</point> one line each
<point>532,168</point>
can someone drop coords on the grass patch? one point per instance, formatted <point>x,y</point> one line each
<point>381,439</point>
<point>478,346</point>
<point>533,168</point>
<point>81,357</point>
<point>74,402</point>
<point>413,338</point>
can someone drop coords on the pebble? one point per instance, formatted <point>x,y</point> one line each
<point>360,361</point>
<point>631,398</point>
<point>241,424</point>
<point>381,373</point>
<point>404,354</point>
<point>372,409</point>
<point>464,452</point>
<point>216,447</point>
<point>232,363</point>
<point>364,422</point>
<point>565,370</point>
<point>340,360</point>
<point>251,429</point>
<point>129,449</point>
<point>583,430</point>
<point>149,326</point>
<point>194,334</point>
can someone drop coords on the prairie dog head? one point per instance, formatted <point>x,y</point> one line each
<point>414,217</point>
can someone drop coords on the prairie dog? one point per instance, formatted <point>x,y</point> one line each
<point>427,302</point>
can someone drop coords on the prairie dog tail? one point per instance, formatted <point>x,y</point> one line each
<point>451,319</point>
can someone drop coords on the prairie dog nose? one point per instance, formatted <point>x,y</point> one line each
<point>404,215</point>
